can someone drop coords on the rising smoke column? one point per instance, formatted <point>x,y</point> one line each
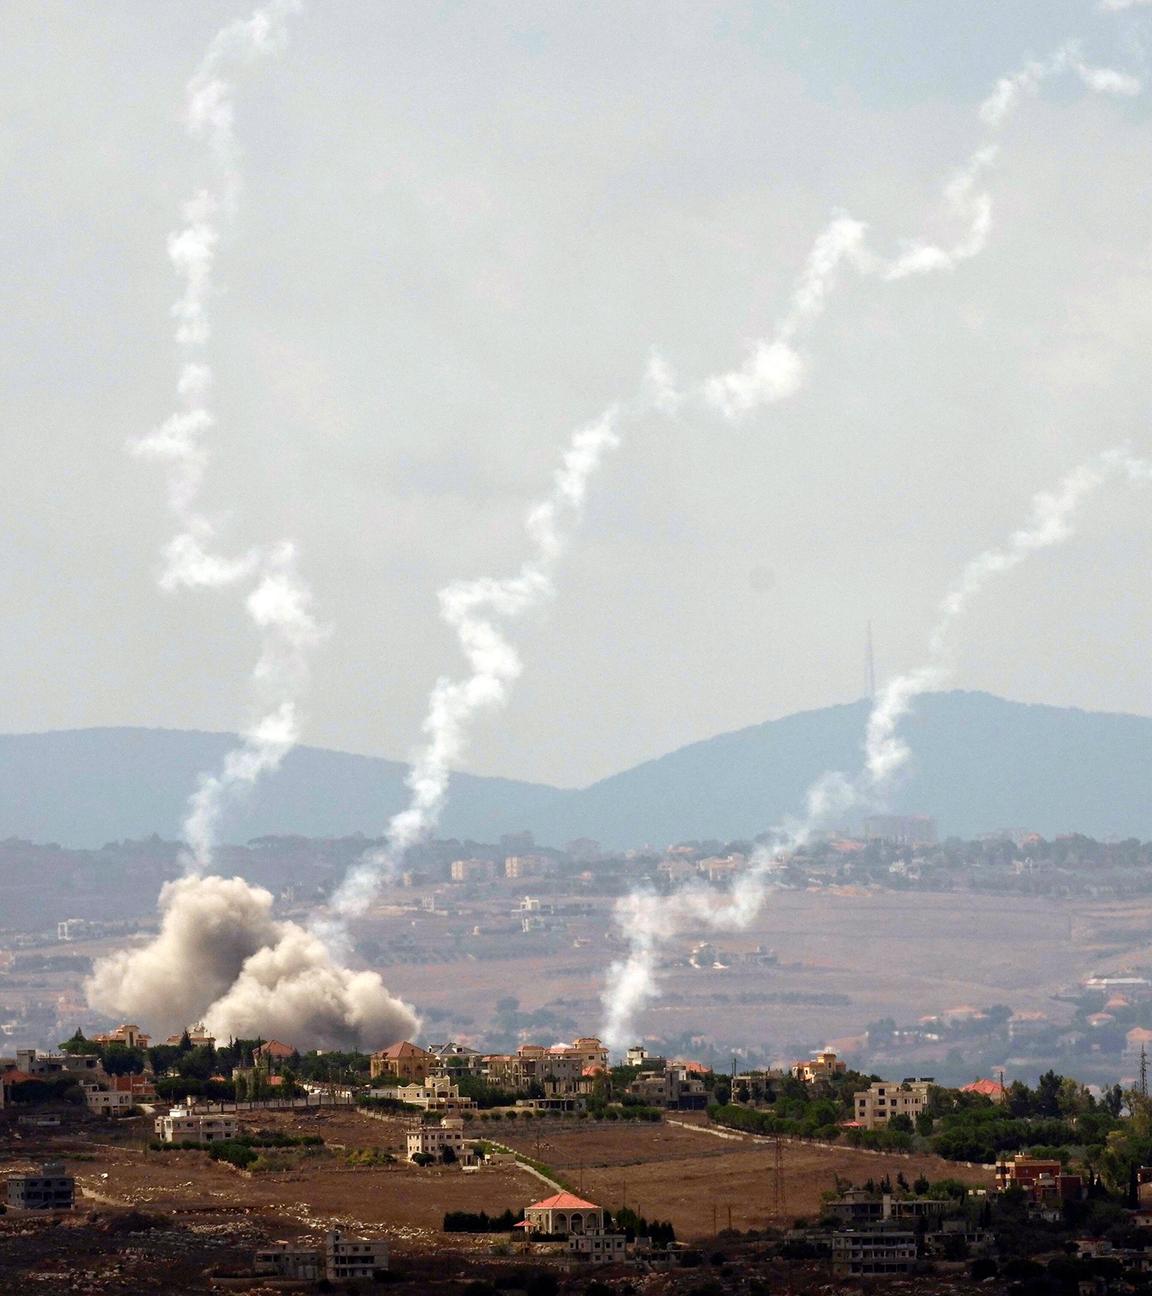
<point>280,603</point>
<point>478,611</point>
<point>648,920</point>
<point>221,956</point>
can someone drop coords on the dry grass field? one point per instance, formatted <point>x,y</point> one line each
<point>669,1172</point>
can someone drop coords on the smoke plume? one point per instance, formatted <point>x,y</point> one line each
<point>649,920</point>
<point>222,958</point>
<point>280,603</point>
<point>479,612</point>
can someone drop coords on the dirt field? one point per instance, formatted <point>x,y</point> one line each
<point>668,1172</point>
<point>402,1201</point>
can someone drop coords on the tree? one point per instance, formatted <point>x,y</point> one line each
<point>119,1059</point>
<point>901,1122</point>
<point>77,1044</point>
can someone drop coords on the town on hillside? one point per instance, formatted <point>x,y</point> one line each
<point>249,1164</point>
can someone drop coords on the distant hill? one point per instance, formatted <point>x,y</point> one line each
<point>980,763</point>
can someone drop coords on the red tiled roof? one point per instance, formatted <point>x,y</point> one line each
<point>563,1201</point>
<point>402,1050</point>
<point>16,1077</point>
<point>275,1049</point>
<point>989,1088</point>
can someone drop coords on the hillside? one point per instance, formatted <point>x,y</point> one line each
<point>980,763</point>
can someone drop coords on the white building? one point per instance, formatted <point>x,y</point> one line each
<point>109,1102</point>
<point>598,1248</point>
<point>431,1140</point>
<point>437,1093</point>
<point>876,1105</point>
<point>184,1126</point>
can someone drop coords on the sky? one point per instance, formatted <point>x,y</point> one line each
<point>463,228</point>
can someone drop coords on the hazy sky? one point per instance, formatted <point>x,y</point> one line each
<point>463,227</point>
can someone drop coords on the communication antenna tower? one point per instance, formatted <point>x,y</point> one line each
<point>870,664</point>
<point>1143,1071</point>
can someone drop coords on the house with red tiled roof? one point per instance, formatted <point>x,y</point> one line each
<point>563,1214</point>
<point>273,1051</point>
<point>986,1088</point>
<point>405,1062</point>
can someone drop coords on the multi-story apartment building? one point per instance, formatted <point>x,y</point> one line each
<point>184,1126</point>
<point>109,1102</point>
<point>875,1106</point>
<point>48,1189</point>
<point>352,1258</point>
<point>341,1257</point>
<point>472,870</point>
<point>431,1140</point>
<point>403,1062</point>
<point>861,1252</point>
<point>824,1065</point>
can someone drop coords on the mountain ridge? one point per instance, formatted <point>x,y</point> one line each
<point>979,763</point>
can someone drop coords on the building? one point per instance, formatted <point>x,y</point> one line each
<point>129,1035</point>
<point>341,1257</point>
<point>72,929</point>
<point>47,1189</point>
<point>437,1093</point>
<point>992,1089</point>
<point>598,1248</point>
<point>472,870</point>
<point>562,1215</point>
<point>558,1070</point>
<point>859,1252</point>
<point>275,1052</point>
<point>198,1037</point>
<point>526,866</point>
<point>38,1065</point>
<point>1043,1181</point>
<point>184,1126</point>
<point>404,1062</point>
<point>350,1258</point>
<point>876,1105</point>
<point>286,1260</point>
<point>676,1087</point>
<point>431,1140</point>
<point>109,1102</point>
<point>824,1065</point>
<point>452,1057</point>
<point>901,830</point>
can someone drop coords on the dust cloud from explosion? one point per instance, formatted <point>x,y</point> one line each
<point>221,956</point>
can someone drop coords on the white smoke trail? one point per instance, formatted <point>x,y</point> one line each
<point>773,372</point>
<point>649,920</point>
<point>478,611</point>
<point>775,368</point>
<point>280,604</point>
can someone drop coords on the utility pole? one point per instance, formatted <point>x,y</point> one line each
<point>778,1199</point>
